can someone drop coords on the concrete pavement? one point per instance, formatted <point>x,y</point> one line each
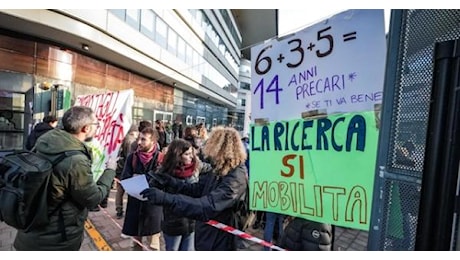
<point>103,233</point>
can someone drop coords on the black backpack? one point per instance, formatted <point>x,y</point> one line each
<point>24,181</point>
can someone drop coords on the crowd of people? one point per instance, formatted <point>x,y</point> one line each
<point>193,177</point>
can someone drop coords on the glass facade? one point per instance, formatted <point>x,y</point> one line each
<point>11,120</point>
<point>211,57</point>
<point>149,23</point>
<point>188,108</point>
<point>193,110</point>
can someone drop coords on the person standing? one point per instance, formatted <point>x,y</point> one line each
<point>177,129</point>
<point>273,220</point>
<point>72,189</point>
<point>169,133</point>
<point>180,130</point>
<point>49,123</point>
<point>142,125</point>
<point>214,196</point>
<point>190,135</point>
<point>181,162</point>
<point>201,135</point>
<point>161,134</point>
<point>142,218</point>
<point>125,150</point>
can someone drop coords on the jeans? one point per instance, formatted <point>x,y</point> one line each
<point>270,221</point>
<point>180,243</point>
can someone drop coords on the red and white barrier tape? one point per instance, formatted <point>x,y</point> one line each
<point>238,233</point>
<point>107,214</point>
<point>244,235</point>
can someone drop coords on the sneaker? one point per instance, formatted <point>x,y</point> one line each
<point>119,214</point>
<point>104,202</point>
<point>95,209</point>
<point>124,236</point>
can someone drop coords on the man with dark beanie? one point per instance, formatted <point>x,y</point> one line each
<point>49,122</point>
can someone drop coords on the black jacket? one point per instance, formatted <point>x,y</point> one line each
<point>213,197</point>
<point>174,225</point>
<point>162,139</point>
<point>306,235</point>
<point>38,131</point>
<point>142,218</point>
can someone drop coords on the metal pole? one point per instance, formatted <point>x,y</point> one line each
<point>439,181</point>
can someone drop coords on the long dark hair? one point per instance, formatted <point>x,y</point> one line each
<point>172,158</point>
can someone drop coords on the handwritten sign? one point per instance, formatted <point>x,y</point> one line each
<point>114,113</point>
<point>320,169</point>
<point>334,66</point>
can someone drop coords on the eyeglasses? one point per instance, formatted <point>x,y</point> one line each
<point>96,124</point>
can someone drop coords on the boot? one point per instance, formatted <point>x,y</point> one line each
<point>104,202</point>
<point>134,244</point>
<point>119,214</point>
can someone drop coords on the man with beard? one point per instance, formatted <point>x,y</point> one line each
<point>72,188</point>
<point>142,218</point>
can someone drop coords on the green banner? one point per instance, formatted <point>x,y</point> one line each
<point>318,169</point>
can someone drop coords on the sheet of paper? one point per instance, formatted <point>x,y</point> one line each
<point>133,186</point>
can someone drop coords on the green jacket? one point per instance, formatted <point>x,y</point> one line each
<point>73,187</point>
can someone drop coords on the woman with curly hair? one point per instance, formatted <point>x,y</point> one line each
<point>181,162</point>
<point>214,196</point>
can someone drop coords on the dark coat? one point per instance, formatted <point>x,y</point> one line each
<point>161,138</point>
<point>125,149</point>
<point>71,182</point>
<point>173,224</point>
<point>38,131</point>
<point>142,218</point>
<point>177,130</point>
<point>306,235</point>
<point>213,197</point>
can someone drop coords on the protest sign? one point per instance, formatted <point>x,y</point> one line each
<point>334,66</point>
<point>114,113</point>
<point>320,169</point>
<point>315,103</point>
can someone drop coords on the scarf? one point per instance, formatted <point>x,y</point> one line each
<point>146,157</point>
<point>185,171</point>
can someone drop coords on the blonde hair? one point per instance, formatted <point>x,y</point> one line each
<point>203,134</point>
<point>225,149</point>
